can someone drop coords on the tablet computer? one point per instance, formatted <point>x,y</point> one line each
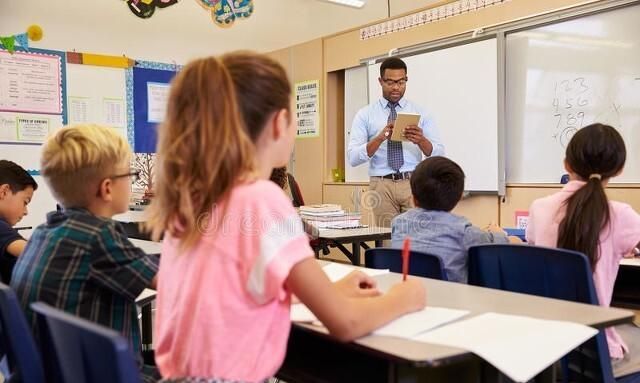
<point>402,121</point>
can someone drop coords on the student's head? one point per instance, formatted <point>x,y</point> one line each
<point>279,177</point>
<point>594,154</point>
<point>16,191</point>
<point>87,166</point>
<point>437,184</point>
<point>393,78</point>
<point>221,111</point>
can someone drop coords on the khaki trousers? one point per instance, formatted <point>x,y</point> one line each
<point>388,198</point>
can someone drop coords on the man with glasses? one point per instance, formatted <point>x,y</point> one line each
<point>391,162</point>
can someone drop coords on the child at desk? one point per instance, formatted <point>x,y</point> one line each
<point>16,190</point>
<point>81,260</point>
<point>581,218</point>
<point>437,185</point>
<point>234,248</point>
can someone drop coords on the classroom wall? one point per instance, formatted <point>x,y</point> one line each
<point>344,50</point>
<point>304,62</point>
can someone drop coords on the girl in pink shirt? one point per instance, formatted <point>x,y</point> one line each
<point>234,249</point>
<point>580,217</point>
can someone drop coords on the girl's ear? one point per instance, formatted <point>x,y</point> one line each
<point>281,123</point>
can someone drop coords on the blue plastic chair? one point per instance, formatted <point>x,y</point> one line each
<point>420,264</point>
<point>23,358</point>
<point>552,273</point>
<point>87,352</point>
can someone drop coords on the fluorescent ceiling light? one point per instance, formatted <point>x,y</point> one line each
<point>349,3</point>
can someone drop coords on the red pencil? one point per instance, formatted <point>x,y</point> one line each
<point>405,257</point>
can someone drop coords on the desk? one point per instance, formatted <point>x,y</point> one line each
<point>356,237</point>
<point>149,247</point>
<point>626,290</point>
<point>144,300</point>
<point>313,356</point>
<point>131,216</point>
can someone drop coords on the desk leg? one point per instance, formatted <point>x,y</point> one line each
<point>356,254</point>
<point>379,243</point>
<point>147,332</point>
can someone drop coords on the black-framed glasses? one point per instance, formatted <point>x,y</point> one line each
<point>134,175</point>
<point>400,82</point>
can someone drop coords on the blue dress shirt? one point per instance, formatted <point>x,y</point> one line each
<point>373,118</point>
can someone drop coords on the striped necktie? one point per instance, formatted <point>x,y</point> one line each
<point>395,158</point>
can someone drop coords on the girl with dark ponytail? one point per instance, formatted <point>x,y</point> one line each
<point>581,218</point>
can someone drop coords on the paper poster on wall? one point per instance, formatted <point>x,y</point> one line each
<point>522,219</point>
<point>157,96</point>
<point>307,106</point>
<point>79,109</point>
<point>27,128</point>
<point>31,82</point>
<point>32,129</point>
<point>113,112</point>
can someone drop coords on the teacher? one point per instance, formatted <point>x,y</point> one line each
<point>391,162</point>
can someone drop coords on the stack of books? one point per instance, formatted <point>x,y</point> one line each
<point>329,216</point>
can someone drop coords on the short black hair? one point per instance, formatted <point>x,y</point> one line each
<point>392,63</point>
<point>437,184</point>
<point>15,176</point>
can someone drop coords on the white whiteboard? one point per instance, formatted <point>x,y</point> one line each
<point>458,87</point>
<point>564,76</point>
<point>355,97</point>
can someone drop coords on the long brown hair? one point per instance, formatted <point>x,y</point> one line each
<point>217,108</point>
<point>595,153</point>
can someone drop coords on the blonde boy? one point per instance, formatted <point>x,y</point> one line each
<point>81,260</point>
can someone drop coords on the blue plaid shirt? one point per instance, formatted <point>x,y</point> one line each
<point>86,266</point>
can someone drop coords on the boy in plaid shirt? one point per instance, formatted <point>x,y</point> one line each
<point>81,260</point>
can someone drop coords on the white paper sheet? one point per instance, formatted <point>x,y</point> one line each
<point>157,97</point>
<point>520,347</point>
<point>301,313</point>
<point>337,271</point>
<point>410,325</point>
<point>407,326</point>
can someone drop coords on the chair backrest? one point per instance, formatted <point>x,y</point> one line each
<point>420,264</point>
<point>296,194</point>
<point>88,352</point>
<point>23,357</point>
<point>552,273</point>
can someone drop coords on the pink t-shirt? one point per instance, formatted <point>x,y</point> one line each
<point>618,239</point>
<point>222,306</point>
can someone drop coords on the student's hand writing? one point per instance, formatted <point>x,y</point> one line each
<point>414,134</point>
<point>410,294</point>
<point>385,133</point>
<point>357,285</point>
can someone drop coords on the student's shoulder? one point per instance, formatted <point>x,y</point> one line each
<point>623,211</point>
<point>81,224</point>
<point>262,193</point>
<point>6,228</point>
<point>546,202</point>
